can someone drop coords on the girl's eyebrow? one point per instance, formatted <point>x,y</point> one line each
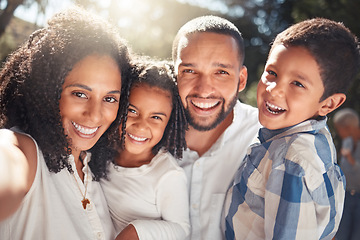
<point>130,105</point>
<point>160,113</point>
<point>90,89</point>
<point>156,113</point>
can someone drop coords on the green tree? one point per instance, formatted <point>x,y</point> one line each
<point>10,7</point>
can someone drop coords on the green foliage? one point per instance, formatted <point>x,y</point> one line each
<point>150,26</point>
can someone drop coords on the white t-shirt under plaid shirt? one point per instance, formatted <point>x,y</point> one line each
<point>288,187</point>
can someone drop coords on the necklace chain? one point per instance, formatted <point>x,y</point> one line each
<point>85,201</point>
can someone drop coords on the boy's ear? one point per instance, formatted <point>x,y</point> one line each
<point>332,103</point>
<point>243,75</point>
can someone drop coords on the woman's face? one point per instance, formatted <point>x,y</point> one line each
<point>90,100</point>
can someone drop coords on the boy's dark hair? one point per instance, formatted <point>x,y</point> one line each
<point>160,74</point>
<point>32,78</point>
<point>212,24</point>
<point>334,47</point>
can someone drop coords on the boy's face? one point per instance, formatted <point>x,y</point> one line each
<point>290,88</point>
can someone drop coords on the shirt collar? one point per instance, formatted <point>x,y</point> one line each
<point>312,125</point>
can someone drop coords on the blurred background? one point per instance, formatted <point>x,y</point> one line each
<point>150,25</point>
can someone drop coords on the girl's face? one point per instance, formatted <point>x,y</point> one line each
<point>90,100</point>
<point>148,115</point>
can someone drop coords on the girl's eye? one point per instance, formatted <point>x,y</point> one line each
<point>157,118</point>
<point>79,94</point>
<point>131,111</point>
<point>110,99</point>
<point>298,84</point>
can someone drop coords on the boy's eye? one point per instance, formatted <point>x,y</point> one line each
<point>298,84</point>
<point>110,99</point>
<point>270,72</point>
<point>79,94</point>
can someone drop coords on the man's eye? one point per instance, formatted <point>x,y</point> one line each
<point>223,72</point>
<point>188,71</point>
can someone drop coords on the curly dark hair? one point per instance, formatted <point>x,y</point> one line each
<point>334,47</point>
<point>159,74</point>
<point>32,78</point>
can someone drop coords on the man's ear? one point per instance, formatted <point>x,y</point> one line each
<point>243,75</point>
<point>332,103</point>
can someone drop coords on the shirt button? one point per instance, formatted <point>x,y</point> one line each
<point>99,235</point>
<point>194,206</point>
<point>89,207</point>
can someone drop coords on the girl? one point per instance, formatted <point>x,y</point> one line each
<point>61,91</point>
<point>146,191</point>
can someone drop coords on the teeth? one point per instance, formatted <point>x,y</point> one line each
<point>273,108</point>
<point>205,105</point>
<point>139,139</point>
<point>83,130</point>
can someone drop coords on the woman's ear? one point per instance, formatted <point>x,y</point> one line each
<point>331,103</point>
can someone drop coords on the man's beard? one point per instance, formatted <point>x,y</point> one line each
<point>220,117</point>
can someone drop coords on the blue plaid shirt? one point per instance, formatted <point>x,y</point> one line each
<point>288,187</point>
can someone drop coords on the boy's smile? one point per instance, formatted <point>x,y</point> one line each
<point>290,88</point>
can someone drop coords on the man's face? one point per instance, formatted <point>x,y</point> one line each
<point>210,76</point>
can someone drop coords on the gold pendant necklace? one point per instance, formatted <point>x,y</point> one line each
<point>85,201</point>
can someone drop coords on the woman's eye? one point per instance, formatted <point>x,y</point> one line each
<point>110,99</point>
<point>79,94</point>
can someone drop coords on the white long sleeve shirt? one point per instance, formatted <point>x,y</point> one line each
<point>210,175</point>
<point>152,197</point>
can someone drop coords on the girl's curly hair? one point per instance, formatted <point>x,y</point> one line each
<point>32,78</point>
<point>159,74</point>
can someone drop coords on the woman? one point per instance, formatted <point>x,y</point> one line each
<point>59,102</point>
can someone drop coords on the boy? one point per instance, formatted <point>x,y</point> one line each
<point>346,122</point>
<point>289,185</point>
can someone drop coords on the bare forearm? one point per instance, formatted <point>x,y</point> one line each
<point>13,180</point>
<point>128,233</point>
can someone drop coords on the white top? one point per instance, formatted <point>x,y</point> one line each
<point>152,197</point>
<point>52,208</point>
<point>210,176</point>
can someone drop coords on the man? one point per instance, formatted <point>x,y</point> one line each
<point>208,54</point>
